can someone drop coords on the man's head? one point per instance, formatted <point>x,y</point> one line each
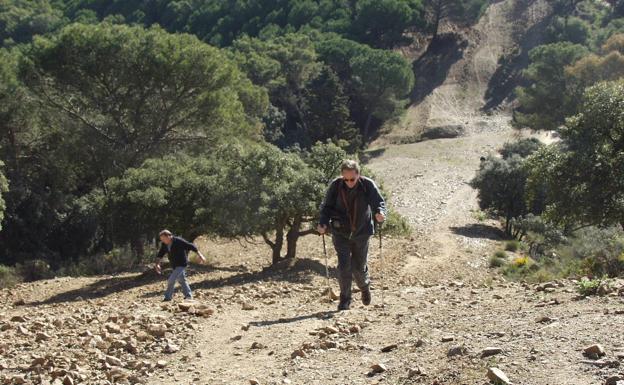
<point>166,237</point>
<point>350,170</point>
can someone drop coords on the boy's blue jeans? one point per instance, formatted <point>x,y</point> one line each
<point>178,274</point>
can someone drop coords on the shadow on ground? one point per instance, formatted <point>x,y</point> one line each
<point>299,270</point>
<point>104,287</point>
<point>479,230</point>
<point>433,66</point>
<point>318,315</point>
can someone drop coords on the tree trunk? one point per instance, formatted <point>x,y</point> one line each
<point>277,245</point>
<point>292,237</point>
<point>366,129</point>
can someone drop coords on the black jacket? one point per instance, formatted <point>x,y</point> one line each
<point>178,254</point>
<point>364,197</point>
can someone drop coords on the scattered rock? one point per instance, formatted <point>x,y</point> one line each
<point>298,353</point>
<point>330,293</point>
<point>171,348</point>
<point>448,339</point>
<point>257,345</point>
<point>161,364</point>
<point>457,351</point>
<point>389,348</point>
<point>42,337</point>
<point>248,306</point>
<point>355,329</point>
<point>157,330</point>
<point>378,368</point>
<point>112,328</point>
<point>253,381</point>
<point>614,380</point>
<point>594,351</point>
<point>497,376</point>
<point>113,361</point>
<point>491,351</point>
<point>413,372</point>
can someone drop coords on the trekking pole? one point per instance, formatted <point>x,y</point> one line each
<point>329,293</point>
<point>383,302</point>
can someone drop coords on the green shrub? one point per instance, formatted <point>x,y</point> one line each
<point>8,276</point>
<point>512,246</point>
<point>587,287</point>
<point>498,259</point>
<point>34,270</point>
<point>116,261</point>
<point>396,225</point>
<point>501,254</point>
<point>521,268</point>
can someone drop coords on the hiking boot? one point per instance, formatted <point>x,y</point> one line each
<point>345,303</point>
<point>366,296</point>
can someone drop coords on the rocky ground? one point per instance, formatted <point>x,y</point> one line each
<point>448,318</point>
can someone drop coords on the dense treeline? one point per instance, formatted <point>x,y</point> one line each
<point>121,117</point>
<point>569,193</point>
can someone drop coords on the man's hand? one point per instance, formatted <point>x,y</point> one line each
<point>157,268</point>
<point>202,259</point>
<point>322,229</point>
<point>380,217</point>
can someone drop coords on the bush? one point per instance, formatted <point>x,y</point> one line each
<point>512,246</point>
<point>443,132</point>
<point>34,270</point>
<point>396,224</point>
<point>117,261</point>
<point>587,287</point>
<point>8,277</point>
<point>521,267</point>
<point>499,259</point>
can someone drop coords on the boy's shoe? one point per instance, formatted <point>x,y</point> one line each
<point>366,296</point>
<point>166,300</point>
<point>188,298</point>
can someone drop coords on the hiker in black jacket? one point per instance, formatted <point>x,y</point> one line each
<point>177,250</point>
<point>351,204</point>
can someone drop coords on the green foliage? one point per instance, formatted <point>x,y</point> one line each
<point>20,20</point>
<point>582,177</point>
<point>512,246</point>
<point>8,277</point>
<point>522,148</point>
<point>34,270</point>
<point>498,259</point>
<point>570,29</point>
<point>587,287</point>
<point>219,23</point>
<point>501,186</point>
<point>318,103</point>
<point>396,224</point>
<point>115,261</point>
<point>545,103</point>
<point>137,92</point>
<point>382,23</point>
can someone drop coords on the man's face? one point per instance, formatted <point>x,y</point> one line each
<point>166,239</point>
<point>350,177</point>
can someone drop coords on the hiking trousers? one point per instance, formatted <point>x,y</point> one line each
<point>352,262</point>
<point>178,275</point>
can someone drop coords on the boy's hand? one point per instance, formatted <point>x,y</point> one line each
<point>157,268</point>
<point>202,259</point>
